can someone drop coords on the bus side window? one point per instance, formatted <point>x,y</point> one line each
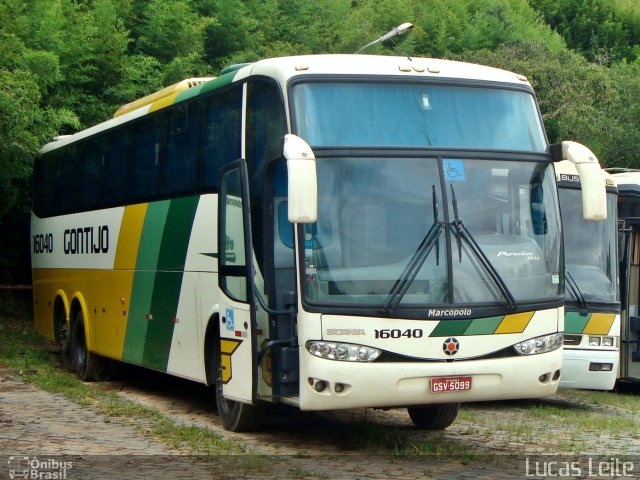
<point>44,184</point>
<point>180,160</point>
<point>116,168</point>
<point>146,160</point>
<point>283,240</point>
<point>266,125</point>
<point>68,182</point>
<point>221,117</point>
<point>91,158</point>
<point>283,229</point>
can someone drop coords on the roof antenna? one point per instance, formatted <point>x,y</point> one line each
<point>399,30</point>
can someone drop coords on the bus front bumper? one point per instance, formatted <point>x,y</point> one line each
<point>330,384</point>
<point>576,371</point>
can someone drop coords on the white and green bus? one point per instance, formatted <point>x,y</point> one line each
<point>327,232</point>
<point>592,302</point>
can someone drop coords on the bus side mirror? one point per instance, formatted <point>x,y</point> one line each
<point>302,180</point>
<point>594,193</point>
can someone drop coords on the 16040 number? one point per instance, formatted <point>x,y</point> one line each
<point>43,243</point>
<point>398,333</point>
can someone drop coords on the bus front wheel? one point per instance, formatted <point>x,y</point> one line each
<point>434,417</point>
<point>235,416</point>
<point>87,365</point>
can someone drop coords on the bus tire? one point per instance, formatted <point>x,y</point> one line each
<point>65,346</point>
<point>87,365</point>
<point>235,416</point>
<point>61,334</point>
<point>434,417</point>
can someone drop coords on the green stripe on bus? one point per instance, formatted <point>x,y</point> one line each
<point>483,326</point>
<point>574,322</point>
<point>168,281</point>
<point>221,81</point>
<point>144,281</point>
<point>188,93</point>
<point>447,328</point>
<point>218,82</point>
<point>151,237</point>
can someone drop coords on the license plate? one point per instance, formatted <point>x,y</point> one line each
<point>450,384</point>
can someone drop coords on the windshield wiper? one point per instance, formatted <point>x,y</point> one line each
<point>416,261</point>
<point>577,293</point>
<point>464,234</point>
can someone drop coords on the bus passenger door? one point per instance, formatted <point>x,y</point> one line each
<point>235,280</point>
<point>630,290</point>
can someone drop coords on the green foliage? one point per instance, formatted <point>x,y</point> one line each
<point>623,118</point>
<point>603,31</point>
<point>170,29</point>
<point>443,28</point>
<point>228,31</point>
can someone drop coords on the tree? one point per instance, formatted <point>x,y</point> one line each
<point>623,117</point>
<point>25,124</point>
<point>599,29</point>
<point>170,29</point>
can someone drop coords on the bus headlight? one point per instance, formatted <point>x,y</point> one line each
<point>347,352</point>
<point>546,343</point>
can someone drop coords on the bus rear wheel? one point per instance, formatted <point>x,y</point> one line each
<point>87,365</point>
<point>61,333</point>
<point>64,341</point>
<point>434,417</point>
<point>235,416</point>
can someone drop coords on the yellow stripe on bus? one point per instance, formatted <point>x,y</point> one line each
<point>515,323</point>
<point>163,102</point>
<point>116,293</point>
<point>599,324</point>
<point>130,231</point>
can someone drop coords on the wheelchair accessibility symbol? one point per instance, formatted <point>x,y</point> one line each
<point>453,170</point>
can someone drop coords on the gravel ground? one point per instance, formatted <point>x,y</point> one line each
<point>38,428</point>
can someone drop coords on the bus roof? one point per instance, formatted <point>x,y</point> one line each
<point>628,182</point>
<point>284,68</point>
<point>166,95</point>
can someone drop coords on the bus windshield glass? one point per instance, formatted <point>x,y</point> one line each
<point>589,249</point>
<point>410,233</point>
<point>417,115</point>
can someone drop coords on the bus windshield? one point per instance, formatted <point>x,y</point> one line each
<point>590,250</point>
<point>416,115</point>
<point>379,217</point>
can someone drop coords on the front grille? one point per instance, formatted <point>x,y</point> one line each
<point>386,357</point>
